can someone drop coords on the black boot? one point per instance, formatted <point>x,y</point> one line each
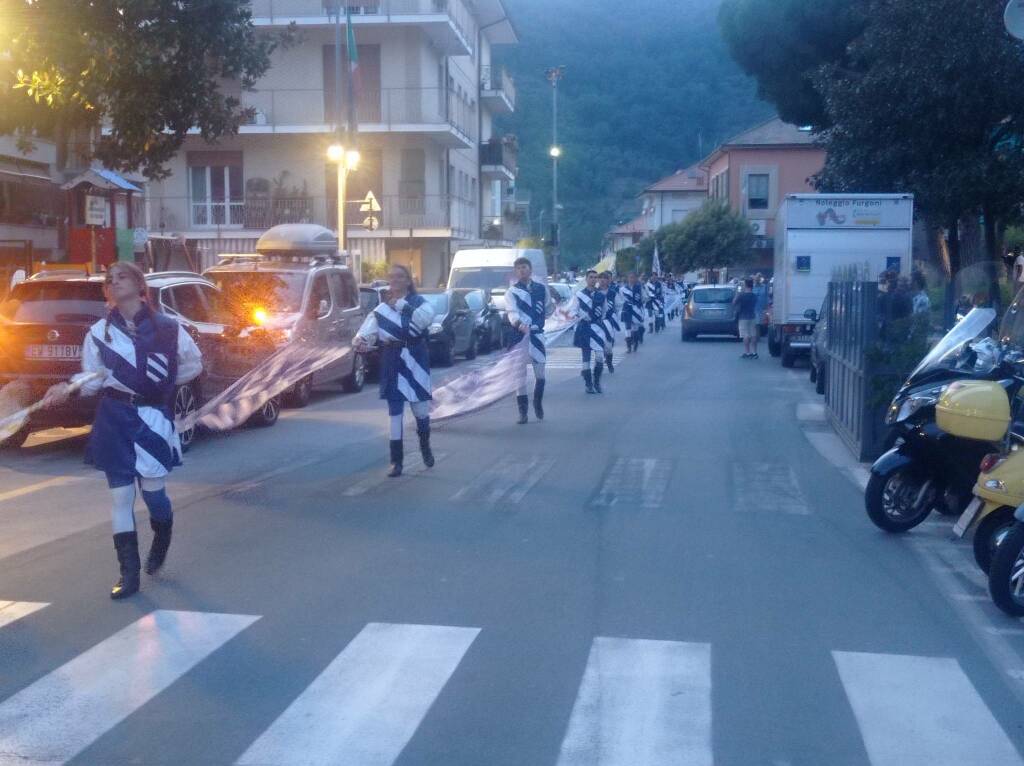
<point>538,400</point>
<point>598,369</point>
<point>523,402</point>
<point>396,458</point>
<point>127,546</point>
<point>589,380</point>
<point>423,431</point>
<point>609,364</point>
<point>161,542</point>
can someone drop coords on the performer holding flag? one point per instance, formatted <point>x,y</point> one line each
<point>659,303</point>
<point>525,303</point>
<point>589,337</point>
<point>400,324</point>
<point>134,359</point>
<point>632,312</point>
<point>611,321</point>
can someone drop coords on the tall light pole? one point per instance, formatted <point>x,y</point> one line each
<point>342,152</point>
<point>554,75</point>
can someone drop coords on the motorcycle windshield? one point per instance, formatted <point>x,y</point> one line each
<point>1011,329</point>
<point>946,352</point>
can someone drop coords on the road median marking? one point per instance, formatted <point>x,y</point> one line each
<point>57,481</point>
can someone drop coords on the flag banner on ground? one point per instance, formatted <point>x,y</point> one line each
<point>233,406</point>
<point>673,302</point>
<point>478,389</point>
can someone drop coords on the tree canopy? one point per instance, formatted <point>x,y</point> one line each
<point>149,70</point>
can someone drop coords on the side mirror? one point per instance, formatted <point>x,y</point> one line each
<point>811,314</point>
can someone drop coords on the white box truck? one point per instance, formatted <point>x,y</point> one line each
<point>817,233</point>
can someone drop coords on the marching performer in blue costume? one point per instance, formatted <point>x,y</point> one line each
<point>525,304</point>
<point>659,303</point>
<point>400,325</point>
<point>589,335</point>
<point>138,357</point>
<point>611,319</point>
<point>632,311</point>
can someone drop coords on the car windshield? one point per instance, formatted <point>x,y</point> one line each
<point>720,295</point>
<point>484,278</point>
<point>55,302</point>
<point>1011,329</point>
<point>475,300</point>
<point>947,351</point>
<point>279,292</point>
<point>438,300</point>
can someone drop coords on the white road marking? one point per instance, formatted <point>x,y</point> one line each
<point>365,706</point>
<point>642,702</point>
<point>412,464</point>
<point>65,711</point>
<point>15,610</point>
<point>771,487</point>
<point>921,711</point>
<point>57,481</point>
<point>510,480</point>
<point>634,483</point>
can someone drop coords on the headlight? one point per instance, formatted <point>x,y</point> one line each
<point>436,329</point>
<point>898,412</point>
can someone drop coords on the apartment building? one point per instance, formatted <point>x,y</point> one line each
<point>32,205</point>
<point>755,170</point>
<point>673,198</point>
<point>426,107</point>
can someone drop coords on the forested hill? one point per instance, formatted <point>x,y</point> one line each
<point>648,85</point>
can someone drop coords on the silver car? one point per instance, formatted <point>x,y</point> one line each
<point>710,311</point>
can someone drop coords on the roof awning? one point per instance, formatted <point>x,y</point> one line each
<point>102,178</point>
<point>32,172</point>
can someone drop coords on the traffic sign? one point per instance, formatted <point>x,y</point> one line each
<point>371,223</point>
<point>1013,17</point>
<point>370,204</point>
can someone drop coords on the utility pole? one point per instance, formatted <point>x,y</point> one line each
<point>554,75</point>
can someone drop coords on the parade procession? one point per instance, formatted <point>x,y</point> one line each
<point>511,383</point>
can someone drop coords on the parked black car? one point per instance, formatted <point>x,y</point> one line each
<point>453,330</point>
<point>819,353</point>
<point>43,322</point>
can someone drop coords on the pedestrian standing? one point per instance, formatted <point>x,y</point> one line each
<point>632,312</point>
<point>138,357</point>
<point>399,324</point>
<point>589,335</point>
<point>920,301</point>
<point>611,321</point>
<point>659,303</point>
<point>649,305</point>
<point>761,307</point>
<point>746,302</point>
<point>525,302</point>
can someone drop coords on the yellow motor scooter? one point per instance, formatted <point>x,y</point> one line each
<point>981,410</point>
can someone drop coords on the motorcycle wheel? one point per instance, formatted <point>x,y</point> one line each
<point>1006,575</point>
<point>895,502</point>
<point>990,534</point>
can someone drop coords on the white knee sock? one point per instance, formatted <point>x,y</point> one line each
<point>123,512</point>
<point>396,428</point>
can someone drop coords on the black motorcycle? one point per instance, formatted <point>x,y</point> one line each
<point>927,469</point>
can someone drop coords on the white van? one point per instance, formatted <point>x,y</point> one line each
<point>492,269</point>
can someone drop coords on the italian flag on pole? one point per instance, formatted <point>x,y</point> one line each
<point>354,86</point>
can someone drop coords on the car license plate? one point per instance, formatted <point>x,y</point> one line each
<point>53,351</point>
<point>968,516</point>
<point>712,311</point>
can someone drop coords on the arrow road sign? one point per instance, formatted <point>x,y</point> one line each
<point>371,223</point>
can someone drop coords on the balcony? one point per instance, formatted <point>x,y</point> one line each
<point>497,90</point>
<point>434,112</point>
<point>498,159</point>
<point>510,227</point>
<point>448,23</point>
<point>425,216</point>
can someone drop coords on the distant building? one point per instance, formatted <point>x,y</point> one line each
<point>626,235</point>
<point>674,197</point>
<point>755,170</point>
<point>32,205</point>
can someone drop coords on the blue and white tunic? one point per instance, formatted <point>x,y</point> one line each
<point>404,355</point>
<point>590,305</point>
<point>611,319</point>
<point>632,306</point>
<point>147,358</point>
<point>525,304</point>
<point>659,298</point>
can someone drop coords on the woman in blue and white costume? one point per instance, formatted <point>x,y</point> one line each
<point>138,357</point>
<point>399,325</point>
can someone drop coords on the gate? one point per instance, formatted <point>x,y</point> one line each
<point>15,256</point>
<point>851,333</point>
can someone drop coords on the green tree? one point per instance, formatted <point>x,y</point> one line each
<point>149,70</point>
<point>783,44</point>
<point>712,237</point>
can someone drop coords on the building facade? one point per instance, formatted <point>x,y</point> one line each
<point>674,197</point>
<point>425,105</point>
<point>32,205</point>
<point>755,170</point>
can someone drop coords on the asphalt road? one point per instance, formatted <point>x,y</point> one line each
<point>679,571</point>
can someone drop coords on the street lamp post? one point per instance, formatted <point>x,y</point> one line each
<point>347,160</point>
<point>554,75</point>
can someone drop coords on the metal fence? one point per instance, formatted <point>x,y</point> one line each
<point>852,333</point>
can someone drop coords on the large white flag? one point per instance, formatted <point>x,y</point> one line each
<point>656,264</point>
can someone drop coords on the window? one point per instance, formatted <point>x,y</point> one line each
<point>414,171</point>
<point>475,300</point>
<point>320,293</point>
<point>188,302</point>
<point>344,287</point>
<point>757,191</point>
<point>216,195</point>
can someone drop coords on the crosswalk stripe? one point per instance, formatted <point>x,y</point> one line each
<point>365,706</point>
<point>62,713</point>
<point>921,711</point>
<point>643,702</point>
<point>15,610</point>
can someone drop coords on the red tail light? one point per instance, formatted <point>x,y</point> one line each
<point>990,461</point>
<point>689,311</point>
